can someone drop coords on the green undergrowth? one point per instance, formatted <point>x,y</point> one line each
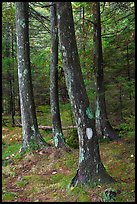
<point>44,175</point>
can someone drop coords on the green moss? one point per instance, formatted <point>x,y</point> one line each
<point>21,183</point>
<point>8,196</point>
<point>57,178</point>
<point>83,198</point>
<point>80,193</point>
<point>9,149</point>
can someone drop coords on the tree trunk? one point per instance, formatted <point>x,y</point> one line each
<point>90,168</point>
<point>54,98</point>
<point>31,135</point>
<point>12,84</point>
<point>128,67</point>
<point>103,126</point>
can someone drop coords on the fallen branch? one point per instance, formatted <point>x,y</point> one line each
<point>49,127</point>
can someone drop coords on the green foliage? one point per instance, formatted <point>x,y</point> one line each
<point>109,195</point>
<point>52,171</point>
<point>13,148</point>
<point>80,194</point>
<point>127,128</point>
<point>8,196</point>
<point>71,138</point>
<point>22,183</point>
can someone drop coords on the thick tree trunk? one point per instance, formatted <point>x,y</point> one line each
<point>103,126</point>
<point>31,135</point>
<point>54,97</point>
<point>90,168</point>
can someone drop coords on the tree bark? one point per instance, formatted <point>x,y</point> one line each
<point>90,167</point>
<point>30,130</point>
<point>8,54</point>
<point>54,97</point>
<point>103,126</point>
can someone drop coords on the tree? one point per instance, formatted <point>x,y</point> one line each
<point>30,130</point>
<point>8,62</point>
<point>54,98</point>
<point>103,126</point>
<point>9,74</point>
<point>90,167</point>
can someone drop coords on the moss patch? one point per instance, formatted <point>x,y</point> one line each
<point>44,175</point>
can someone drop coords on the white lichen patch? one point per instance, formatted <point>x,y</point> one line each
<point>25,72</point>
<point>97,168</point>
<point>64,54</point>
<point>97,110</point>
<point>33,129</point>
<point>22,23</point>
<point>58,16</point>
<point>81,155</point>
<point>79,121</point>
<point>63,47</point>
<point>89,133</point>
<point>19,74</point>
<point>56,140</point>
<point>80,111</point>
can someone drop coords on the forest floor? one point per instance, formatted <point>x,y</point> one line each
<point>44,175</point>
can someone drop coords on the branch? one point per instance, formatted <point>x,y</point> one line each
<point>103,8</point>
<point>91,22</point>
<point>39,17</point>
<point>47,5</point>
<point>49,127</point>
<point>125,16</point>
<point>114,33</point>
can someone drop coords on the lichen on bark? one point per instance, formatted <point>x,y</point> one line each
<point>58,138</point>
<point>89,113</point>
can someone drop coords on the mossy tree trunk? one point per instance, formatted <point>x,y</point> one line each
<point>54,97</point>
<point>31,135</point>
<point>103,126</point>
<point>90,167</point>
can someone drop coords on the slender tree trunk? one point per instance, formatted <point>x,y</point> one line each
<point>128,68</point>
<point>90,167</point>
<point>120,100</point>
<point>31,135</point>
<point>103,126</point>
<point>7,55</point>
<point>54,97</point>
<point>12,85</point>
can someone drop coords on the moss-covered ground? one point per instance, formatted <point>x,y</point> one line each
<point>44,175</point>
